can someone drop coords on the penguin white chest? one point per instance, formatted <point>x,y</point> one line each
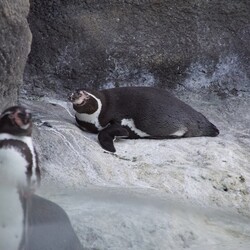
<point>11,219</point>
<point>13,167</point>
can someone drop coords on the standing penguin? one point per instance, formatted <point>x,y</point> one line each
<point>137,112</point>
<point>27,221</point>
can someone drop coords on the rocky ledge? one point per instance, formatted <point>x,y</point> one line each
<point>205,174</point>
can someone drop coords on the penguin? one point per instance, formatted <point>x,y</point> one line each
<point>137,112</point>
<point>18,170</point>
<point>27,221</point>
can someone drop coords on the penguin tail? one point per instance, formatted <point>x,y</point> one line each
<point>213,130</point>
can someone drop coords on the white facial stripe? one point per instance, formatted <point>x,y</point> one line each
<point>130,123</point>
<point>92,118</point>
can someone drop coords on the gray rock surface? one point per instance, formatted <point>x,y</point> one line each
<point>107,218</point>
<point>141,42</point>
<point>211,176</point>
<point>130,199</point>
<point>15,40</point>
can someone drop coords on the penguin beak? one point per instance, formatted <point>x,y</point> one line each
<point>71,97</point>
<point>74,96</point>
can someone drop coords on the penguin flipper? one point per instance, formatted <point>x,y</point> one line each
<point>49,226</point>
<point>106,136</point>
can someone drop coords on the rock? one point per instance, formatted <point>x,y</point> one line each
<point>197,48</point>
<point>206,171</point>
<point>15,40</point>
<point>131,199</point>
<point>187,44</point>
<point>113,218</point>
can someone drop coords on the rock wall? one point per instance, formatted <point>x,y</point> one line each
<point>15,40</point>
<point>142,42</point>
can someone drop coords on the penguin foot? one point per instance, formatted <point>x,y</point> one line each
<point>106,136</point>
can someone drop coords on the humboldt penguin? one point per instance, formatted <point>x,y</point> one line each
<point>137,112</point>
<point>27,221</point>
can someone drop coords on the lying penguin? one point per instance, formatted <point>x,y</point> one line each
<point>137,112</point>
<point>27,221</point>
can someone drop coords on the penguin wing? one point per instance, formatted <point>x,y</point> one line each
<point>49,227</point>
<point>107,135</point>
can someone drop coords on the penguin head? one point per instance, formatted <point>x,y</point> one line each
<point>16,120</point>
<point>79,97</point>
<point>83,101</point>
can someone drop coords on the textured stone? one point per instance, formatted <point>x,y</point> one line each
<point>120,201</point>
<point>151,42</point>
<point>207,171</point>
<point>15,40</point>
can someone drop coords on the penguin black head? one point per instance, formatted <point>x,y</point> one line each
<point>83,101</point>
<point>16,120</point>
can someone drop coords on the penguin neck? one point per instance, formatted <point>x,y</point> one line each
<point>11,218</point>
<point>94,117</point>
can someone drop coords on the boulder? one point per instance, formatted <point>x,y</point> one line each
<point>150,194</point>
<point>15,40</point>
<point>171,44</point>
